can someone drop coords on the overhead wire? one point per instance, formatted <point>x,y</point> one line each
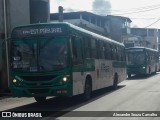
<point>152,23</point>
<point>132,10</point>
<point>137,11</point>
<point>138,8</point>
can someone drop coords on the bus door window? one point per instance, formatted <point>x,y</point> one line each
<point>77,50</point>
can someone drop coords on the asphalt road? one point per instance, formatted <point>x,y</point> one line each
<point>136,94</point>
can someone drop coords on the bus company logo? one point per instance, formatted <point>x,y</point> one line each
<point>6,114</point>
<point>104,67</point>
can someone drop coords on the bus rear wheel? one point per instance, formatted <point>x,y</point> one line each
<point>115,82</point>
<point>87,91</point>
<point>40,99</point>
<point>129,75</point>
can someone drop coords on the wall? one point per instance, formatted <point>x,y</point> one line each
<point>149,36</point>
<point>18,15</point>
<point>39,11</point>
<point>115,26</point>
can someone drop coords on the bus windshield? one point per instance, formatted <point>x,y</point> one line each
<point>39,55</point>
<point>135,58</point>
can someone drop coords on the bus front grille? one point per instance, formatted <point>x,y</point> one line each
<point>38,91</point>
<point>38,78</point>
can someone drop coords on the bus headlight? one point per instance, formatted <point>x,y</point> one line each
<point>14,80</point>
<point>144,67</point>
<point>17,82</point>
<point>65,79</point>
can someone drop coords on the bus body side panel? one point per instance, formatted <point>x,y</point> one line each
<point>80,73</point>
<point>119,67</point>
<point>102,74</point>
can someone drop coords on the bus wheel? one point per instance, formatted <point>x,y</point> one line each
<point>40,99</point>
<point>115,82</point>
<point>87,91</point>
<point>129,75</point>
<point>149,71</point>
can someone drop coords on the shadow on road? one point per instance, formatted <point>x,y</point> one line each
<point>58,106</point>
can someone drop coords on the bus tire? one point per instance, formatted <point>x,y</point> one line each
<point>40,99</point>
<point>155,70</point>
<point>149,70</point>
<point>129,75</point>
<point>115,82</point>
<point>87,90</point>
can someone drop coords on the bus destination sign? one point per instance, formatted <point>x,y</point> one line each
<point>38,31</point>
<point>42,31</point>
<point>135,50</point>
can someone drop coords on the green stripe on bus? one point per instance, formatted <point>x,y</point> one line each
<point>116,64</point>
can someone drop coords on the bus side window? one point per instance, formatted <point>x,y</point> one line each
<point>112,52</point>
<point>77,50</point>
<point>93,49</point>
<point>97,49</point>
<point>106,51</point>
<point>101,50</point>
<point>87,47</point>
<point>123,54</point>
<point>116,53</point>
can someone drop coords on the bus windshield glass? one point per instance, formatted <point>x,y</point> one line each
<point>135,58</point>
<point>39,55</point>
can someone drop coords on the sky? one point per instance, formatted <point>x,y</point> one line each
<point>143,13</point>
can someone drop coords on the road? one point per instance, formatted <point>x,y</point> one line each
<point>136,94</point>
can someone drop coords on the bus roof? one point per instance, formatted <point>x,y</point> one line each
<point>94,34</point>
<point>73,27</point>
<point>150,49</point>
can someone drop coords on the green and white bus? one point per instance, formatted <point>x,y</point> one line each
<point>142,60</point>
<point>61,59</point>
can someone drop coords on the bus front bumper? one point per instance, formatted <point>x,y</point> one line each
<point>33,92</point>
<point>139,70</point>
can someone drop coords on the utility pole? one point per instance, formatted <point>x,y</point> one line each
<point>6,37</point>
<point>60,11</point>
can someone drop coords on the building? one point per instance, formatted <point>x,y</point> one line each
<point>86,20</point>
<point>119,27</point>
<point>159,41</point>
<point>109,26</point>
<point>149,37</point>
<point>14,13</point>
